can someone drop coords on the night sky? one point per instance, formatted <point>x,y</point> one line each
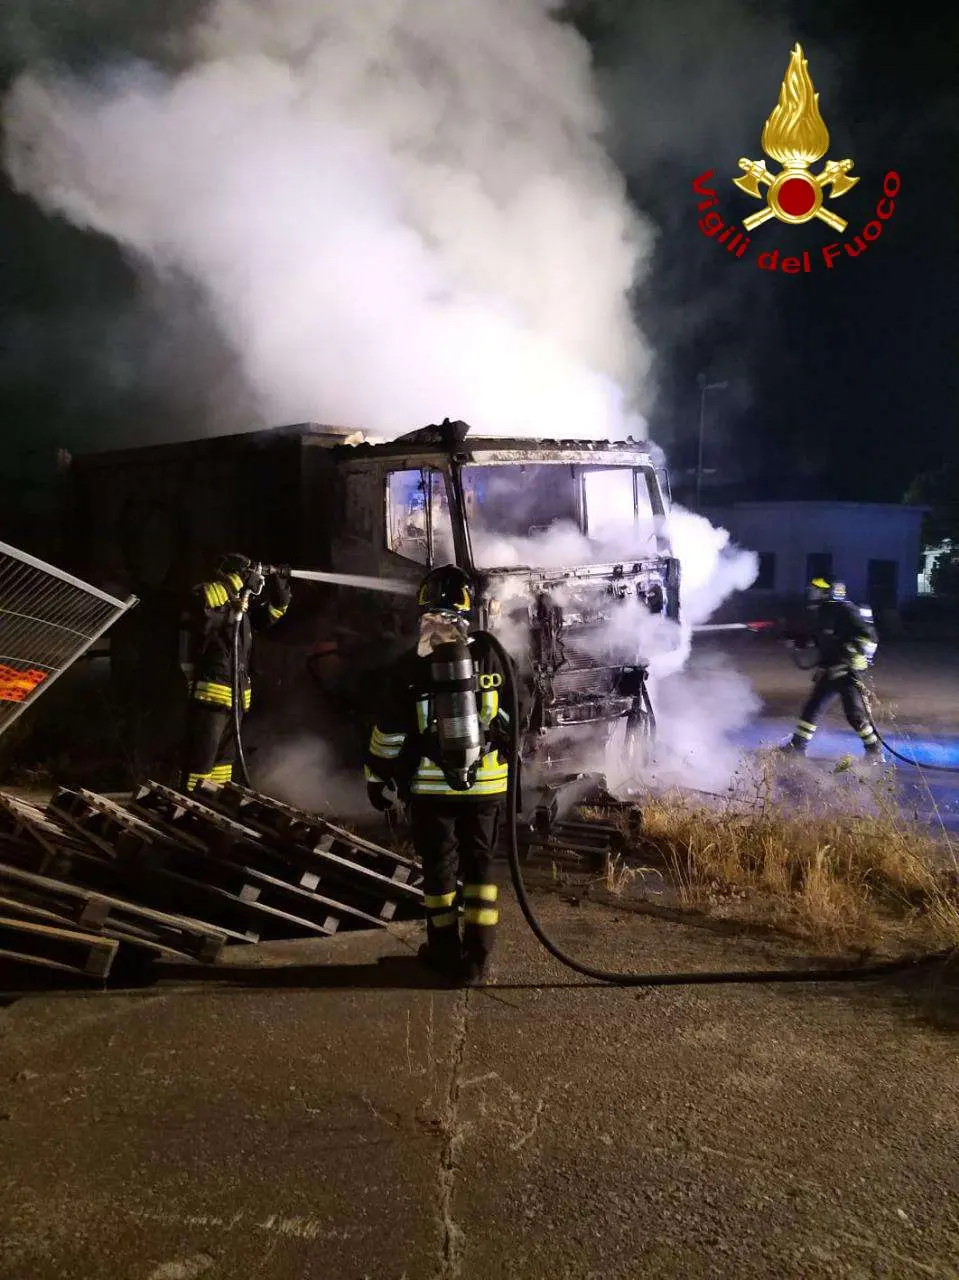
<point>844,383</point>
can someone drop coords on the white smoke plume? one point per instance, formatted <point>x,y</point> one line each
<point>398,211</point>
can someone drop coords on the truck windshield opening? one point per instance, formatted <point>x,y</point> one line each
<point>551,515</point>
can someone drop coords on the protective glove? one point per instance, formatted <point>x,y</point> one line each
<point>281,591</point>
<point>376,794</point>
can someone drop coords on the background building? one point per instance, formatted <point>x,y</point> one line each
<point>875,548</point>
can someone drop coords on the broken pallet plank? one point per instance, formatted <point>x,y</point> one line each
<point>82,953</point>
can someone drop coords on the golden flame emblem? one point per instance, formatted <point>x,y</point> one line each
<point>796,135</point>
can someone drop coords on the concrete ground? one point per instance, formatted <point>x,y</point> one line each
<point>320,1110</point>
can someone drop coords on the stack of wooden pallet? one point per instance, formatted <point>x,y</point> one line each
<point>86,879</point>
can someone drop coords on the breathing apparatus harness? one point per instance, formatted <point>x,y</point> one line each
<point>706,978</point>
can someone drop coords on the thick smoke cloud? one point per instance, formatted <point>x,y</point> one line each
<point>397,211</point>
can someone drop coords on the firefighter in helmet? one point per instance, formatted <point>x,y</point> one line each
<point>454,827</point>
<point>239,591</point>
<point>841,645</point>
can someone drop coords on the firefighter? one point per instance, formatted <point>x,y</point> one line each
<point>237,584</point>
<point>843,645</point>
<point>454,831</point>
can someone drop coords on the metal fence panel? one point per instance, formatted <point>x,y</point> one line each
<point>48,619</point>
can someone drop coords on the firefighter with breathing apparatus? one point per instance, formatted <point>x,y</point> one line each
<point>439,742</point>
<point>242,597</point>
<point>841,645</point>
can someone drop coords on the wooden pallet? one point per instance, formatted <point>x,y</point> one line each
<point>128,936</point>
<point>107,826</point>
<point>33,838</point>
<point>343,881</point>
<point>98,911</point>
<point>28,936</point>
<point>310,830</point>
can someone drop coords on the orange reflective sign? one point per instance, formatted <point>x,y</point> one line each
<point>16,686</point>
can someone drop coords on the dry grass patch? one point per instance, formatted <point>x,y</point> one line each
<point>837,880</point>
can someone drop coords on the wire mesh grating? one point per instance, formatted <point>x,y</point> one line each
<point>48,619</point>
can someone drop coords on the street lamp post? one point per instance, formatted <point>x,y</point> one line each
<point>704,386</point>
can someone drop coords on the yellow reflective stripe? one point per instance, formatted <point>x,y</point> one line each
<point>433,901</point>
<point>486,916</point>
<point>216,594</point>
<point>222,773</point>
<point>481,892</point>
<point>369,775</point>
<point>194,778</point>
<point>235,581</point>
<point>443,921</point>
<point>479,789</point>
<point>277,611</point>
<point>387,746</point>
<point>489,705</point>
<point>218,694</point>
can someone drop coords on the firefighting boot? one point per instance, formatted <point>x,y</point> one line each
<point>441,953</point>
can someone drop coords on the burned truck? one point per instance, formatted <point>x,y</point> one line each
<point>566,541</point>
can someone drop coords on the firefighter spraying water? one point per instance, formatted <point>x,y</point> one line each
<point>242,597</point>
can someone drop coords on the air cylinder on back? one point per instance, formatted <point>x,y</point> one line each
<point>453,681</point>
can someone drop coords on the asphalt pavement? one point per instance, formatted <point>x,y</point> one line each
<point>320,1109</point>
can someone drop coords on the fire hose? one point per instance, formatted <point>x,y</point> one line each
<point>633,979</point>
<point>916,764</point>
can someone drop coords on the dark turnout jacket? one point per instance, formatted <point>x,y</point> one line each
<point>403,743</point>
<point>211,635</point>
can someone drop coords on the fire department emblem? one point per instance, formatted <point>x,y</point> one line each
<point>796,135</point>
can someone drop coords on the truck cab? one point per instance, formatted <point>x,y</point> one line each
<point>566,542</point>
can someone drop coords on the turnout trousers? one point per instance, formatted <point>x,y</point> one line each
<point>455,840</point>
<point>210,748</point>
<point>824,691</point>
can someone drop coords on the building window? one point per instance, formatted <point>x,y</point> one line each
<point>819,565</point>
<point>766,579</point>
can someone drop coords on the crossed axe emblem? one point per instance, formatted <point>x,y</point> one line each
<point>835,176</point>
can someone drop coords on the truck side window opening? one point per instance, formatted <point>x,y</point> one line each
<point>417,513</point>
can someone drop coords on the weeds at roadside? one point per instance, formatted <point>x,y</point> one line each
<point>868,878</point>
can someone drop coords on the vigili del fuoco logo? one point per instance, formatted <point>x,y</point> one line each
<point>795,135</point>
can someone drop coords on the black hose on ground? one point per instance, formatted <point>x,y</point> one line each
<point>707,978</point>
<point>916,764</point>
